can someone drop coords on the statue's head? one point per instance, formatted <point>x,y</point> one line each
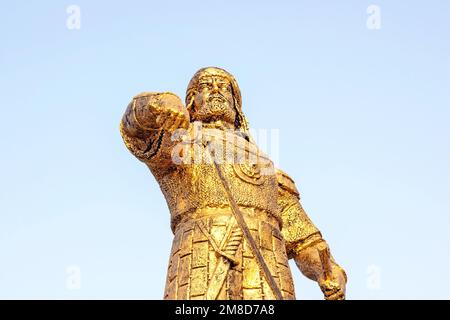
<point>213,94</point>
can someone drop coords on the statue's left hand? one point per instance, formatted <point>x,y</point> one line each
<point>333,287</point>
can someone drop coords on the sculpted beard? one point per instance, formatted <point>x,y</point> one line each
<point>216,107</point>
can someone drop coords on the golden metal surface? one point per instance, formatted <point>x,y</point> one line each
<point>211,172</point>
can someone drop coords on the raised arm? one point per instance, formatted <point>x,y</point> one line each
<point>148,123</point>
<point>304,242</point>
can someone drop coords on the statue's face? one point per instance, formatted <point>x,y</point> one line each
<point>214,100</point>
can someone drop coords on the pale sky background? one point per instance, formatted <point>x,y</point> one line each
<point>364,131</point>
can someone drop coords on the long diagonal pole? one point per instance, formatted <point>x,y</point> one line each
<point>248,236</point>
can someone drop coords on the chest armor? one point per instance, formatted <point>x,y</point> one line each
<point>194,184</point>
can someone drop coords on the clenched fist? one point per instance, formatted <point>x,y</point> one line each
<point>333,287</point>
<point>154,110</point>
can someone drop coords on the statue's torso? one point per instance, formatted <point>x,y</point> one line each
<point>201,214</point>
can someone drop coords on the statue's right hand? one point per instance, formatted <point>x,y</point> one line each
<point>160,111</point>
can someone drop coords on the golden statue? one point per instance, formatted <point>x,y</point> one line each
<point>236,219</point>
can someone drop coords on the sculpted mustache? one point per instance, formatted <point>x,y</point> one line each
<point>216,95</point>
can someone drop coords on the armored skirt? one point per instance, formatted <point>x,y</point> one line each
<point>210,259</point>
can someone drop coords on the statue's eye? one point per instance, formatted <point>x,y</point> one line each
<point>204,85</point>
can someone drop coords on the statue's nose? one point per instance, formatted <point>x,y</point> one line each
<point>215,87</point>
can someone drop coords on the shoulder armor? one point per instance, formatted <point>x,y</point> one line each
<point>285,182</point>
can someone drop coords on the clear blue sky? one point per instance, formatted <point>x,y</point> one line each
<point>363,118</point>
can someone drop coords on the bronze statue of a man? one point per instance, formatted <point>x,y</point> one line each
<point>236,220</point>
